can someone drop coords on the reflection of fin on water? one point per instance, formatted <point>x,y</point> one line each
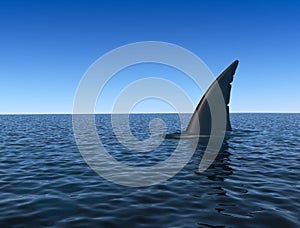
<point>202,115</point>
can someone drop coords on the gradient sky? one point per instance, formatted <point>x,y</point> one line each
<point>46,47</point>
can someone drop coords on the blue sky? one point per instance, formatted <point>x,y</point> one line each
<point>46,47</point>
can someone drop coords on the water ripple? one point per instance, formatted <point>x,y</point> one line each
<point>254,181</point>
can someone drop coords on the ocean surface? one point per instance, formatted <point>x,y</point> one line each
<point>254,182</point>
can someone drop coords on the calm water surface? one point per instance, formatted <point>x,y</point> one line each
<point>254,182</point>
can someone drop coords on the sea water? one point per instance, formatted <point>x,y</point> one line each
<point>254,181</point>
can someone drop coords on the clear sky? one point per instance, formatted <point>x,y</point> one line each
<point>46,47</point>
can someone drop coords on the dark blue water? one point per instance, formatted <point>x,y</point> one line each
<point>254,182</point>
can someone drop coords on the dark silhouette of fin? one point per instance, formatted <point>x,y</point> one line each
<point>202,114</point>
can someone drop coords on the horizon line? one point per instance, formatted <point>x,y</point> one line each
<point>121,113</point>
